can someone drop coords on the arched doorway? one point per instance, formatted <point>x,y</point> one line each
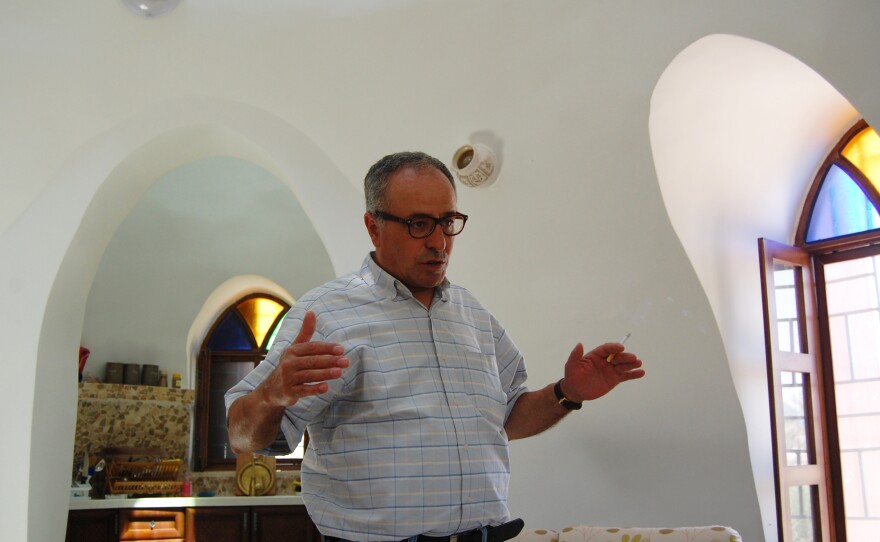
<point>88,201</point>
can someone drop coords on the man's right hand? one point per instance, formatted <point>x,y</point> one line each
<point>304,368</point>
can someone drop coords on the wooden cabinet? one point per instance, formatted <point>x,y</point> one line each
<point>271,523</point>
<point>250,524</point>
<point>126,525</point>
<point>92,526</point>
<point>166,525</point>
<point>218,524</point>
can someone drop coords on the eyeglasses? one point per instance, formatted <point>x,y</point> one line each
<point>421,226</point>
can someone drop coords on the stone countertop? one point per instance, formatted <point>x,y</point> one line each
<point>184,502</point>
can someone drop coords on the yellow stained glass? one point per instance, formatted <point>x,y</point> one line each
<point>260,313</point>
<point>864,152</point>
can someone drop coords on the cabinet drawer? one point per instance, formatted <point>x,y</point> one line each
<point>136,524</point>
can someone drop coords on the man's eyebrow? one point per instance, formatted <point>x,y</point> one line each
<point>444,215</point>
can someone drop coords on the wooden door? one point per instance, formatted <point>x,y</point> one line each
<point>218,524</point>
<point>282,524</point>
<point>91,526</point>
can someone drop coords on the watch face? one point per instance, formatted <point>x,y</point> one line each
<point>564,401</point>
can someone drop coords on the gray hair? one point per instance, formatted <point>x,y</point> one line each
<point>376,181</point>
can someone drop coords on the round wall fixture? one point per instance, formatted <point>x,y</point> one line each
<point>475,165</point>
<point>151,8</point>
<point>254,475</point>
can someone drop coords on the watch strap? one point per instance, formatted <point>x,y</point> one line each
<point>563,400</point>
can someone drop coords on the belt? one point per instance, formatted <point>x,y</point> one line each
<point>497,533</point>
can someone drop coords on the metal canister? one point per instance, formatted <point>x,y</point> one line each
<point>113,373</point>
<point>132,374</point>
<point>150,375</point>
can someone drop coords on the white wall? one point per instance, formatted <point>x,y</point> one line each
<point>726,183</point>
<point>196,227</point>
<point>572,243</point>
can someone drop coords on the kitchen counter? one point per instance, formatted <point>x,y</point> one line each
<point>184,502</point>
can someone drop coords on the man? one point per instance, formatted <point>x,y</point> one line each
<point>409,388</point>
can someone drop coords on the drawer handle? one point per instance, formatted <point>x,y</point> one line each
<point>152,524</point>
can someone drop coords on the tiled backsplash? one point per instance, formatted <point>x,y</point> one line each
<point>137,416</point>
<point>117,415</point>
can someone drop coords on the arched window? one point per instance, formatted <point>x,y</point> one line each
<point>845,195</point>
<point>822,327</point>
<point>239,339</point>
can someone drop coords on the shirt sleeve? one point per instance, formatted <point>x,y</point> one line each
<point>511,366</point>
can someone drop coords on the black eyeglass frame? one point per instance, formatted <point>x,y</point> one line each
<point>434,222</point>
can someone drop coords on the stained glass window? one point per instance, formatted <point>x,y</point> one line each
<point>231,333</point>
<point>261,315</point>
<point>238,342</point>
<point>846,194</point>
<point>863,151</point>
<point>841,208</point>
<point>246,325</point>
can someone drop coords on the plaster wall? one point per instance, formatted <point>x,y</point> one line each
<point>572,243</point>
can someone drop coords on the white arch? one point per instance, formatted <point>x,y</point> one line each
<point>737,130</point>
<point>87,202</point>
<point>224,295</point>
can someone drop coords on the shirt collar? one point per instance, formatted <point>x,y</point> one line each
<point>394,288</point>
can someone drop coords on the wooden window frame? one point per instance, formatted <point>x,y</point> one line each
<point>812,258</point>
<point>206,360</point>
<point>807,362</point>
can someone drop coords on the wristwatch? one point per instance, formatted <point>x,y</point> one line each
<point>563,400</point>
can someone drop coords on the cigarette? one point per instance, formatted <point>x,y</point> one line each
<point>610,357</point>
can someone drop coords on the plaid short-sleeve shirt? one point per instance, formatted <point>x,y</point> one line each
<point>411,439</point>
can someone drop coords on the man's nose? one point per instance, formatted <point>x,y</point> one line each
<point>437,240</point>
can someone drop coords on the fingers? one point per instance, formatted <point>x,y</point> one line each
<point>307,329</point>
<point>627,373</point>
<point>617,349</point>
<point>607,351</point>
<point>624,359</point>
<point>577,353</point>
<point>302,345</point>
<point>613,354</point>
<point>306,390</point>
<point>298,374</point>
<point>301,376</point>
<point>305,366</point>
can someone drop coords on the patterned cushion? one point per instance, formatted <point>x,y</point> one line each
<point>591,533</point>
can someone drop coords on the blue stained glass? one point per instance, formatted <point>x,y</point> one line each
<point>841,208</point>
<point>230,334</point>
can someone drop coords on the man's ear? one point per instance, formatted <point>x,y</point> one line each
<point>372,225</point>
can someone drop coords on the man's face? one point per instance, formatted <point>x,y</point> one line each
<point>419,263</point>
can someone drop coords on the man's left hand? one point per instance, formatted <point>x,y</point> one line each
<point>590,376</point>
